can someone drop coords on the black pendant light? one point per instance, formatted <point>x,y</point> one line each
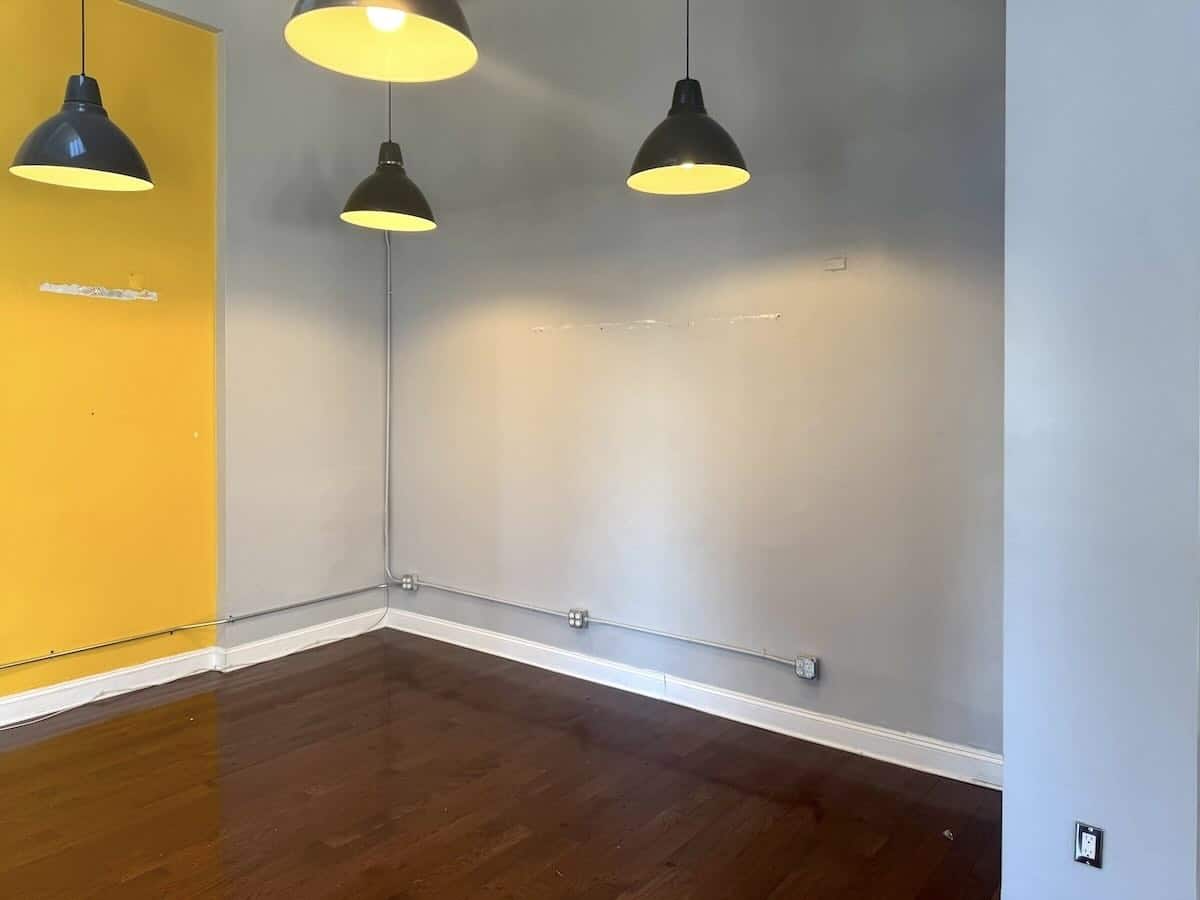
<point>384,40</point>
<point>81,147</point>
<point>388,200</point>
<point>689,153</point>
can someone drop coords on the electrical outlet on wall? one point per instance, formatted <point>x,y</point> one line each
<point>1089,845</point>
<point>808,668</point>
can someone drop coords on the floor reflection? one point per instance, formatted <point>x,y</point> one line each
<point>392,766</point>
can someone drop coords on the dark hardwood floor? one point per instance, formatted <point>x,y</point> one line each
<point>389,766</point>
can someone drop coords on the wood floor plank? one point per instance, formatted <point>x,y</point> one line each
<point>389,766</point>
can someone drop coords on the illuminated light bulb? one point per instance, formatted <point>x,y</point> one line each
<point>383,40</point>
<point>384,19</point>
<point>689,165</point>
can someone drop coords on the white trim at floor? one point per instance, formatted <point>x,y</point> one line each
<point>79,692</point>
<point>69,694</point>
<point>277,646</point>
<point>913,751</point>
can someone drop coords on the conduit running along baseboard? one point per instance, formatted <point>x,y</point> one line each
<point>390,579</point>
<point>911,751</point>
<point>67,695</point>
<point>191,626</point>
<point>413,583</point>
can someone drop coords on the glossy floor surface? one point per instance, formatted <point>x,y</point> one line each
<point>389,766</point>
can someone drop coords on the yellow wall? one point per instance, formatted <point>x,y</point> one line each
<point>107,409</point>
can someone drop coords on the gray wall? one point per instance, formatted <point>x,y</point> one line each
<point>302,352</point>
<point>1103,351</point>
<point>827,482</point>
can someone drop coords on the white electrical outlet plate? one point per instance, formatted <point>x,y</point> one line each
<point>1089,845</point>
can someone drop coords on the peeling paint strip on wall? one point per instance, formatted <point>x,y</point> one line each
<point>637,325</point>
<point>100,293</point>
<point>645,324</point>
<point>738,320</point>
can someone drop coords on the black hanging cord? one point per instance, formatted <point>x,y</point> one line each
<point>389,111</point>
<point>688,39</point>
<point>82,37</point>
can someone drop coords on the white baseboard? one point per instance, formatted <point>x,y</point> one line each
<point>81,691</point>
<point>58,698</point>
<point>566,662</point>
<point>913,751</point>
<point>229,659</point>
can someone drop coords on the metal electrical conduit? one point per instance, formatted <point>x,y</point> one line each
<point>390,579</point>
<point>805,666</point>
<point>412,583</point>
<point>193,626</point>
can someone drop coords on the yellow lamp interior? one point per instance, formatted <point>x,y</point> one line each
<point>87,179</point>
<point>689,178</point>
<point>387,221</point>
<point>366,43</point>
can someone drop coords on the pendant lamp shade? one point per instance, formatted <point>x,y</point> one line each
<point>689,153</point>
<point>82,147</point>
<point>388,200</point>
<point>384,40</point>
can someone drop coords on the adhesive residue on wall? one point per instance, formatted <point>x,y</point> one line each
<point>124,295</point>
<point>648,324</point>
